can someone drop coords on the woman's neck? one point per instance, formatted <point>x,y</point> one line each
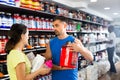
<point>19,46</point>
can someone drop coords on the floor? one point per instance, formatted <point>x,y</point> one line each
<point>112,76</point>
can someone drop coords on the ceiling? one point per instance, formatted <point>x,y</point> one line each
<point>101,4</point>
<point>97,6</point>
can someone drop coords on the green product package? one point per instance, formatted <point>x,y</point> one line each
<point>78,26</point>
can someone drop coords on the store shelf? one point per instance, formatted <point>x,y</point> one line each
<point>3,54</point>
<point>45,30</point>
<point>94,43</point>
<point>97,42</point>
<point>41,49</point>
<point>100,50</point>
<point>33,50</point>
<point>4,29</point>
<point>35,12</point>
<point>3,61</point>
<point>40,30</point>
<point>89,32</point>
<point>6,77</point>
<point>30,50</point>
<point>86,21</point>
<point>72,31</point>
<point>8,8</point>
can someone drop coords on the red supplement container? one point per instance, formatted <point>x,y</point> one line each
<point>68,58</point>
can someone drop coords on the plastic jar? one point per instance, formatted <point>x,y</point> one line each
<point>42,41</point>
<point>3,20</point>
<point>24,20</point>
<point>9,20</point>
<point>67,57</point>
<point>31,23</point>
<point>16,18</point>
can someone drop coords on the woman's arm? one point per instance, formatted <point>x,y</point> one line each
<point>21,72</point>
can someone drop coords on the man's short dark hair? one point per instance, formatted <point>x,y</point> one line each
<point>61,18</point>
<point>111,27</point>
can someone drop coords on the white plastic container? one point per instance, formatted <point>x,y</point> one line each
<point>37,62</point>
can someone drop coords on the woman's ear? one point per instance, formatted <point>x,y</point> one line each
<point>22,36</point>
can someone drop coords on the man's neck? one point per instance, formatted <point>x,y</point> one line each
<point>63,36</point>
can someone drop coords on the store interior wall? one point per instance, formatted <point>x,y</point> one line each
<point>116,22</point>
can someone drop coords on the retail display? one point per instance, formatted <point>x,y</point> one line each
<point>38,17</point>
<point>93,72</point>
<point>68,58</point>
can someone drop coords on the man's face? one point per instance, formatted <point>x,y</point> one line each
<point>109,30</point>
<point>59,27</point>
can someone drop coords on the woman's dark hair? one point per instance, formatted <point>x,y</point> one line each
<point>15,35</point>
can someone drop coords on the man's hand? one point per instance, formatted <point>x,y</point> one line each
<point>56,67</point>
<point>77,46</point>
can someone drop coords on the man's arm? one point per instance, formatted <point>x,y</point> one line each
<point>48,55</point>
<point>77,46</point>
<point>109,42</point>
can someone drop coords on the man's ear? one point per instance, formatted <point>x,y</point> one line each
<point>65,25</point>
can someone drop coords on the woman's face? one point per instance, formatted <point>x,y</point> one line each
<point>25,38</point>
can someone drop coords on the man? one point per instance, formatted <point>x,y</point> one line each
<point>54,49</point>
<point>111,48</point>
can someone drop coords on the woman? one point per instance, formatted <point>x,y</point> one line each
<point>18,65</point>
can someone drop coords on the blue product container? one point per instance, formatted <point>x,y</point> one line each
<point>11,2</point>
<point>3,20</point>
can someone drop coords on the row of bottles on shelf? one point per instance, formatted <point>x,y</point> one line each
<point>92,38</point>
<point>6,20</point>
<point>50,7</point>
<point>35,41</point>
<point>97,47</point>
<point>33,23</point>
<point>42,40</point>
<point>8,2</point>
<point>93,28</point>
<point>45,77</point>
<point>100,56</point>
<point>82,62</point>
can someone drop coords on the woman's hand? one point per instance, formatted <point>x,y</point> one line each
<point>44,70</point>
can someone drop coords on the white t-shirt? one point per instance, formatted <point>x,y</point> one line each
<point>112,37</point>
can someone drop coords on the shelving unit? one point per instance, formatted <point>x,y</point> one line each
<point>33,50</point>
<point>14,9</point>
<point>20,10</point>
<point>3,54</point>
